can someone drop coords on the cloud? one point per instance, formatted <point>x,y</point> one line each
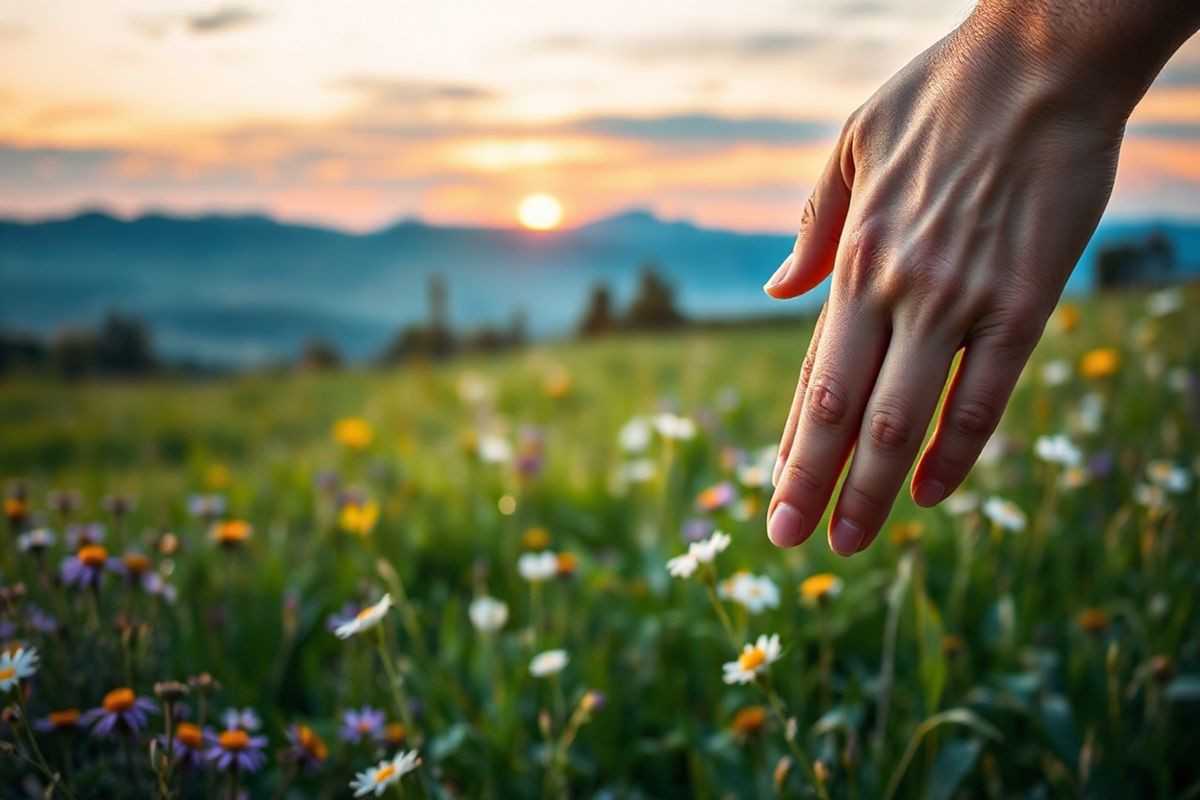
<point>1177,131</point>
<point>220,20</point>
<point>12,32</point>
<point>702,46</point>
<point>407,91</point>
<point>707,128</point>
<point>1184,75</point>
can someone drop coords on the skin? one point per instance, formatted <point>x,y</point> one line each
<point>954,207</point>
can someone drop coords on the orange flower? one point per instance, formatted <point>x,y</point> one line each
<point>1101,363</point>
<point>65,719</point>
<point>395,734</point>
<point>231,532</point>
<point>136,563</point>
<point>748,720</point>
<point>190,734</point>
<point>119,700</point>
<point>567,564</point>
<point>821,587</point>
<point>1068,317</point>
<point>353,432</point>
<point>1094,620</point>
<point>535,539</point>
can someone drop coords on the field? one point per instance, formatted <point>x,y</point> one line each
<point>1055,657</point>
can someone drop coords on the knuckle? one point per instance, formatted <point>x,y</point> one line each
<point>857,495</point>
<point>974,419</point>
<point>797,476</point>
<point>863,249</point>
<point>827,402</point>
<point>891,428</point>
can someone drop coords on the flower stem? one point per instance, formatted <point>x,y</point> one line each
<point>797,752</point>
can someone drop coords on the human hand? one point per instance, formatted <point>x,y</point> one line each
<point>955,205</point>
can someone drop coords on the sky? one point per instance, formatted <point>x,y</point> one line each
<point>361,112</point>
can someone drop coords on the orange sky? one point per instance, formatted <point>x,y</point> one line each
<point>361,112</point>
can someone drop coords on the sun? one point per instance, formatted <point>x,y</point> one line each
<point>540,212</point>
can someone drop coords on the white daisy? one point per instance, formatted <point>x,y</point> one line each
<point>961,503</point>
<point>638,470</point>
<point>384,774</point>
<point>488,614</point>
<point>705,551</point>
<point>683,566</point>
<point>1005,514</point>
<point>16,666</point>
<point>671,426</point>
<point>1056,373</point>
<point>755,593</point>
<point>1057,450</point>
<point>368,618</point>
<point>550,662</point>
<point>1170,477</point>
<point>634,436</point>
<point>754,660</point>
<point>1164,302</point>
<point>495,450</point>
<point>35,540</point>
<point>537,567</point>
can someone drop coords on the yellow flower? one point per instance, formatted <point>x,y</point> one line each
<point>748,720</point>
<point>359,518</point>
<point>906,533</point>
<point>395,734</point>
<point>353,432</point>
<point>535,539</point>
<point>558,385</point>
<point>216,477</point>
<point>1094,620</point>
<point>1068,317</point>
<point>820,587</point>
<point>1100,363</point>
<point>231,532</point>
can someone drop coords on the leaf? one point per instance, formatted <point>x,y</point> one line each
<point>1183,689</point>
<point>1059,723</point>
<point>953,716</point>
<point>931,666</point>
<point>954,762</point>
<point>448,742</point>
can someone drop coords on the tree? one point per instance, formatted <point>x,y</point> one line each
<point>598,318</point>
<point>320,355</point>
<point>1151,260</point>
<point>654,306</point>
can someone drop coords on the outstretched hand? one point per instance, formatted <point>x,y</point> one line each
<point>955,205</point>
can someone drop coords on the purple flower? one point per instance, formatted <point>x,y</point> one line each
<point>191,743</point>
<point>366,723</point>
<point>695,530</point>
<point>86,568</point>
<point>207,507</point>
<point>82,534</point>
<point>39,621</point>
<point>243,720</point>
<point>122,711</point>
<point>237,749</point>
<point>305,748</point>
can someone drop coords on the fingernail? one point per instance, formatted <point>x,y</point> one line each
<point>929,493</point>
<point>780,273</point>
<point>786,525</point>
<point>846,537</point>
<point>778,469</point>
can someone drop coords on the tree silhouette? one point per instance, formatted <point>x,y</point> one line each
<point>598,318</point>
<point>654,306</point>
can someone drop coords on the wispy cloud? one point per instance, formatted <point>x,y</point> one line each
<point>220,20</point>
<point>408,92</point>
<point>701,127</point>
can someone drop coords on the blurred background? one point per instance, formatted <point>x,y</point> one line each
<point>209,186</point>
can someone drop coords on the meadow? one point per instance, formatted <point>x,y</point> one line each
<point>201,570</point>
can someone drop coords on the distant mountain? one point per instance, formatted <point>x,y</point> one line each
<point>244,289</point>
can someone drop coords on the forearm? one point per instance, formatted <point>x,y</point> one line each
<point>1105,52</point>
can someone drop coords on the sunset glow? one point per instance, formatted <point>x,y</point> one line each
<point>540,212</point>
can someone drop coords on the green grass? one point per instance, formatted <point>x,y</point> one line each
<point>1037,704</point>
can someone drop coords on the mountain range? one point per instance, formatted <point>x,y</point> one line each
<point>248,289</point>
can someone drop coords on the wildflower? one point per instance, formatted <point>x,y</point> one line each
<point>171,691</point>
<point>566,564</point>
<point>216,476</point>
<point>1088,416</point>
<point>16,666</point>
<point>754,660</point>
<point>714,498</point>
<point>904,534</point>
<point>395,734</point>
<point>16,504</point>
<point>230,533</point>
<point>683,566</point>
<point>592,701</point>
<point>535,539</point>
<point>364,723</point>
<point>537,567</point>
<point>672,426</point>
<point>86,568</point>
<point>1170,477</point>
<point>705,551</point>
<point>1056,373</point>
<point>377,779</point>
<point>748,721</point>
<point>62,721</point>
<point>36,540</point>
<point>353,432</point>
<point>755,593</point>
<point>494,450</point>
<point>81,534</point>
<point>122,709</point>
<point>1094,620</point>
<point>1004,514</point>
<point>1058,450</point>
<point>694,530</point>
<point>488,614</point>
<point>1068,317</point>
<point>337,619</point>
<point>366,619</point>
<point>245,719</point>
<point>190,744</point>
<point>558,385</point>
<point>822,587</point>
<point>638,470</point>
<point>1101,363</point>
<point>237,749</point>
<point>1164,302</point>
<point>306,748</point>
<point>64,501</point>
<point>547,663</point>
<point>118,504</point>
<point>1074,478</point>
<point>206,507</point>
<point>359,518</point>
<point>634,436</point>
<point>961,503</point>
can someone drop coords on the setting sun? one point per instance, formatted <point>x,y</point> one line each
<point>540,212</point>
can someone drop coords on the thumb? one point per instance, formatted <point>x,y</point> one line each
<point>820,230</point>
